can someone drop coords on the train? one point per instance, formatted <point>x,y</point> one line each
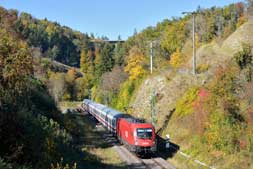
<point>136,135</point>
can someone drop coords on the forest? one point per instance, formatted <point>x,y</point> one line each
<point>34,133</point>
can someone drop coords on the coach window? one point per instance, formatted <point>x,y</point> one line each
<point>113,123</point>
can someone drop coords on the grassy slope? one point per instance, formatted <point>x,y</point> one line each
<point>171,85</point>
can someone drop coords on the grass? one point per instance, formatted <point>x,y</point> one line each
<point>99,153</point>
<point>108,156</point>
<point>68,105</point>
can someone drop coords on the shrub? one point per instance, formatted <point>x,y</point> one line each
<point>176,59</point>
<point>184,105</point>
<point>244,58</point>
<point>202,68</point>
<point>223,133</point>
<point>126,91</point>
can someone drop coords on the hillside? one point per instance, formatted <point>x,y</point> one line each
<point>186,125</point>
<point>171,84</point>
<point>44,64</point>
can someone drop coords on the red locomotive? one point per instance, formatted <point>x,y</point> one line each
<point>136,135</point>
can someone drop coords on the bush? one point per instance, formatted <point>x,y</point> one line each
<point>184,105</point>
<point>124,97</point>
<point>202,68</point>
<point>176,59</point>
<point>223,133</point>
<point>244,58</point>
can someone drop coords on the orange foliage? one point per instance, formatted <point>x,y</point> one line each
<point>177,58</point>
<point>71,75</point>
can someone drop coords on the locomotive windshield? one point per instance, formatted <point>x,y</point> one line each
<point>144,133</point>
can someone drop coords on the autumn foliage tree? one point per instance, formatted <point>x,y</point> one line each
<point>87,61</point>
<point>15,68</point>
<point>176,59</point>
<point>175,36</point>
<point>135,64</point>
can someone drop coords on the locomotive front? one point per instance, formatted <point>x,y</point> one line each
<point>144,138</point>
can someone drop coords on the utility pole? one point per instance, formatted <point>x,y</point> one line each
<point>151,57</point>
<point>153,102</point>
<point>193,42</point>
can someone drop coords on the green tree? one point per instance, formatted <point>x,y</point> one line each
<point>175,36</point>
<point>119,53</point>
<point>87,61</point>
<point>82,88</point>
<point>104,61</point>
<point>244,58</point>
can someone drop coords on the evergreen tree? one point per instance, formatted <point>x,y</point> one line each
<point>104,59</point>
<point>119,53</point>
<point>84,63</point>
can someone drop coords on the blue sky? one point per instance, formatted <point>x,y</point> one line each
<point>109,17</point>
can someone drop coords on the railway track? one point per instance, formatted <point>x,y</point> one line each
<point>135,162</point>
<point>132,161</point>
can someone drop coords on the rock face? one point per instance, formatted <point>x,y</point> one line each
<point>243,34</point>
<point>215,53</point>
<point>168,87</point>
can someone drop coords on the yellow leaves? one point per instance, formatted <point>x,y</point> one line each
<point>50,144</point>
<point>50,29</point>
<point>184,105</point>
<point>135,63</point>
<point>201,68</point>
<point>136,72</point>
<point>15,62</point>
<point>71,75</point>
<point>174,36</point>
<point>125,94</point>
<point>177,58</point>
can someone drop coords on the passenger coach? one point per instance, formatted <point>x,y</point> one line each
<point>136,135</point>
<point>105,115</point>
